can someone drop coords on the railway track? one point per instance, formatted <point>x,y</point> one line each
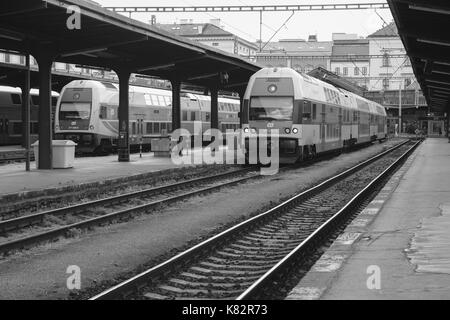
<point>250,259</point>
<point>18,159</point>
<point>49,225</point>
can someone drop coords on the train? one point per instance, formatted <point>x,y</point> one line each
<point>11,115</point>
<point>310,116</point>
<point>87,113</point>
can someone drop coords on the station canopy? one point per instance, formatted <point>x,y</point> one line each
<point>112,41</point>
<point>424,28</point>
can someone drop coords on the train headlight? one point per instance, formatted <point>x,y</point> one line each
<point>246,130</point>
<point>272,88</point>
<point>287,130</point>
<point>92,127</point>
<point>57,127</point>
<point>295,131</point>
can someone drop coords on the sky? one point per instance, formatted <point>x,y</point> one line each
<point>246,24</point>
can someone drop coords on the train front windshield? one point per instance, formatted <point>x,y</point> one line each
<point>75,111</point>
<point>271,108</point>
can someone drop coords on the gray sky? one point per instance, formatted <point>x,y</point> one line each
<point>246,24</point>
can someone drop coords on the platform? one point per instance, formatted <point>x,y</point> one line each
<point>14,179</point>
<point>399,246</point>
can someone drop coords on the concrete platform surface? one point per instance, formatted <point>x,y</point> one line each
<point>404,252</point>
<point>11,148</point>
<point>14,179</point>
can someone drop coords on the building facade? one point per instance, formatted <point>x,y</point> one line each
<point>350,59</point>
<point>390,67</point>
<point>213,35</point>
<point>303,56</point>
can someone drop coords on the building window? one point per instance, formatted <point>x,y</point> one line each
<point>407,83</point>
<point>364,71</point>
<point>386,60</point>
<point>337,70</point>
<point>356,71</point>
<point>345,71</point>
<point>215,44</point>
<point>385,84</point>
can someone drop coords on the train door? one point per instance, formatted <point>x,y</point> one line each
<point>340,127</point>
<point>140,126</point>
<point>4,128</point>
<point>323,128</point>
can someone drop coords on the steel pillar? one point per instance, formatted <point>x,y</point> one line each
<point>123,147</point>
<point>214,107</point>
<point>45,62</point>
<point>26,113</point>
<point>176,104</point>
<point>241,108</point>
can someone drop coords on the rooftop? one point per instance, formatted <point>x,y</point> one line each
<point>388,31</point>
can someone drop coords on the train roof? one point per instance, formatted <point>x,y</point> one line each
<point>142,90</point>
<point>14,90</point>
<point>316,90</point>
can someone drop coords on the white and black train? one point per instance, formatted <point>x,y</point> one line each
<point>311,116</point>
<point>11,126</point>
<point>87,114</point>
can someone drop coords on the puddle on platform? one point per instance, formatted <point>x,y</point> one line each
<point>430,246</point>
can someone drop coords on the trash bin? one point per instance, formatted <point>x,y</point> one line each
<point>63,153</point>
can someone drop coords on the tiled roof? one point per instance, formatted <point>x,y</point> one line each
<point>323,47</point>
<point>388,31</point>
<point>194,29</point>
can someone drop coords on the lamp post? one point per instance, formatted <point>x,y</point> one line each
<point>400,108</point>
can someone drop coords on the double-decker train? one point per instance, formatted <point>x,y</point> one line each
<point>87,114</point>
<point>309,115</point>
<point>11,115</point>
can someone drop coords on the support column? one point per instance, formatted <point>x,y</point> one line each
<point>26,113</point>
<point>124,115</point>
<point>241,108</point>
<point>45,62</point>
<point>448,122</point>
<point>176,104</point>
<point>214,107</point>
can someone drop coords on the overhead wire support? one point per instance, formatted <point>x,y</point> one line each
<point>303,7</point>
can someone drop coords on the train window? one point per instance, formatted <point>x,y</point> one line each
<point>17,128</point>
<point>314,112</point>
<point>149,128</point>
<point>355,116</point>
<point>168,101</point>
<point>157,128</point>
<point>155,101</point>
<point>163,126</point>
<point>34,128</point>
<point>16,99</point>
<point>103,112</point>
<point>35,100</point>
<point>307,110</point>
<point>161,100</point>
<point>193,118</point>
<point>185,116</point>
<point>133,125</point>
<point>208,116</point>
<point>75,111</point>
